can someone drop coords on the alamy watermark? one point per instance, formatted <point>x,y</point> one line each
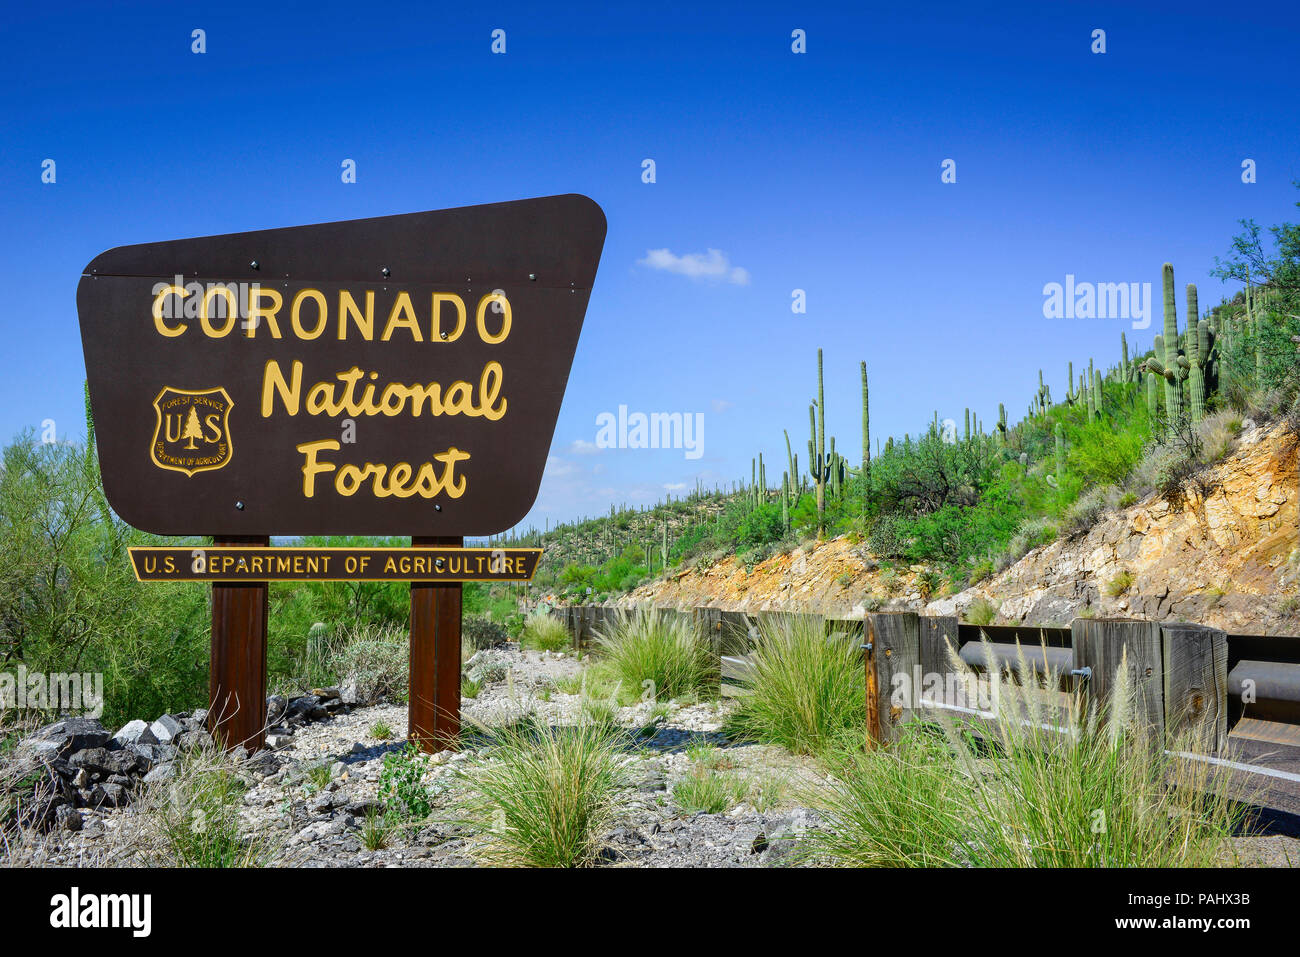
<point>76,693</point>
<point>1102,300</point>
<point>654,430</point>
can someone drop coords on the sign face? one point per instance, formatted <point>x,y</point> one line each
<point>391,376</point>
<point>230,563</point>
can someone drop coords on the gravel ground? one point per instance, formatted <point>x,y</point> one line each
<point>322,826</point>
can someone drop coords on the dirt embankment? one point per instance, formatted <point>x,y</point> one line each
<point>1226,552</point>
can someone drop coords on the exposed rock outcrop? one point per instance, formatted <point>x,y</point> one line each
<point>1224,552</point>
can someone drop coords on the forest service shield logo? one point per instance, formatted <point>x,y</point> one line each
<point>193,430</point>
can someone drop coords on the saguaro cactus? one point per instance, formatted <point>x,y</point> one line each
<point>1195,364</point>
<point>817,446</point>
<point>1091,394</point>
<point>1166,363</point>
<point>1125,373</point>
<point>866,423</point>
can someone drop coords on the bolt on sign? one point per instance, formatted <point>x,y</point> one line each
<point>391,376</point>
<point>399,375</point>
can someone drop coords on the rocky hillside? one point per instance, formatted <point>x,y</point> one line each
<point>1225,552</point>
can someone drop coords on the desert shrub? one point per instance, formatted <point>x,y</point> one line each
<point>478,632</point>
<point>192,820</point>
<point>663,655</point>
<point>806,688</point>
<point>1106,451</point>
<point>709,791</point>
<point>1032,533</point>
<point>542,797</point>
<point>68,598</point>
<point>542,632</point>
<point>982,612</point>
<point>889,807</point>
<point>1120,583</point>
<point>402,788</point>
<point>376,657</point>
<point>1089,508</point>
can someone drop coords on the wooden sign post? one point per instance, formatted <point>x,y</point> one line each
<point>433,706</point>
<point>237,678</point>
<point>400,375</point>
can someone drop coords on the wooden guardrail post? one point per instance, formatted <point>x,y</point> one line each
<point>1196,683</point>
<point>894,651</point>
<point>933,635</point>
<point>1101,644</point>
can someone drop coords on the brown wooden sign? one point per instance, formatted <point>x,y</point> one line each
<point>259,564</point>
<point>399,375</point>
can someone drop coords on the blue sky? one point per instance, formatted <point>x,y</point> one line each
<point>818,171</point>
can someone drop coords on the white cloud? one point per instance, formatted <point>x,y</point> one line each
<point>675,486</point>
<point>719,406</point>
<point>712,265</point>
<point>583,447</point>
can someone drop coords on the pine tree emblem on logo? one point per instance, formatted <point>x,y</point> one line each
<point>193,430</point>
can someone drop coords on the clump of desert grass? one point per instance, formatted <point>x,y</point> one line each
<point>193,820</point>
<point>542,796</point>
<point>806,689</point>
<point>1046,779</point>
<point>544,633</point>
<point>646,654</point>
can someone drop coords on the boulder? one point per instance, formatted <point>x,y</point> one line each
<point>161,774</point>
<point>166,729</point>
<point>134,732</point>
<point>68,735</point>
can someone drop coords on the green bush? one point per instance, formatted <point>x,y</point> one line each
<point>478,632</point>
<point>401,784</point>
<point>807,688</point>
<point>666,657</point>
<point>542,796</point>
<point>542,632</point>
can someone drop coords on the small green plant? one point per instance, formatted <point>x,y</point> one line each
<point>375,831</point>
<point>928,582</point>
<point>768,793</point>
<point>318,775</point>
<point>543,796</point>
<point>709,791</point>
<point>470,688</point>
<point>571,684</point>
<point>602,712</point>
<point>1120,583</point>
<point>709,756</point>
<point>982,612</point>
<point>401,784</point>
<point>541,632</point>
<point>381,730</point>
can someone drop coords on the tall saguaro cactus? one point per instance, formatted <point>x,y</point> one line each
<point>817,464</point>
<point>1196,369</point>
<point>866,423</point>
